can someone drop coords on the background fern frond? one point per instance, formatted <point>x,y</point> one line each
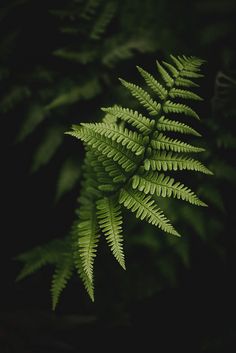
<point>62,274</point>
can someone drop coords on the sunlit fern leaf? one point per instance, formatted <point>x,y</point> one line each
<point>145,208</point>
<point>165,75</point>
<point>165,186</point>
<point>106,146</point>
<point>179,108</point>
<point>62,274</point>
<point>162,142</point>
<point>169,161</point>
<point>130,139</point>
<point>110,222</point>
<point>184,82</point>
<point>143,97</point>
<point>184,94</point>
<point>143,124</point>
<point>165,124</point>
<point>153,83</point>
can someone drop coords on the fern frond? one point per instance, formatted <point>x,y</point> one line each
<point>51,142</point>
<point>169,161</point>
<point>110,221</point>
<point>165,186</point>
<point>40,256</point>
<point>123,155</point>
<point>143,124</point>
<point>178,108</point>
<point>153,83</point>
<point>130,139</point>
<point>88,284</point>
<point>143,97</point>
<point>165,75</point>
<point>145,209</point>
<point>162,142</point>
<point>184,94</point>
<point>88,237</point>
<point>106,146</point>
<point>175,126</point>
<point>103,20</point>
<point>184,82</point>
<point>61,276</point>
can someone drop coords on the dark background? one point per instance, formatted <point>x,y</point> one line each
<point>197,309</point>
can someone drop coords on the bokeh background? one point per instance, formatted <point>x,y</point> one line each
<point>59,63</point>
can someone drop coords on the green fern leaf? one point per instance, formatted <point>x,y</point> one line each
<point>88,237</point>
<point>165,186</point>
<point>88,284</point>
<point>131,140</point>
<point>143,97</point>
<point>184,94</point>
<point>143,124</point>
<point>110,221</point>
<point>184,82</point>
<point>174,72</point>
<point>153,83</point>
<point>178,108</point>
<point>106,146</point>
<point>121,163</point>
<point>162,142</point>
<point>61,276</point>
<point>169,161</point>
<point>145,209</point>
<point>175,126</point>
<point>165,75</point>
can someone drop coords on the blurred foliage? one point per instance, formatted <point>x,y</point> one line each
<point>69,70</point>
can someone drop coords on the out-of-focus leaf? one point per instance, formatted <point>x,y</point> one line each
<point>48,147</point>
<point>13,96</point>
<point>36,114</point>
<point>68,176</point>
<point>90,89</point>
<point>82,57</point>
<point>122,51</point>
<point>211,195</point>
